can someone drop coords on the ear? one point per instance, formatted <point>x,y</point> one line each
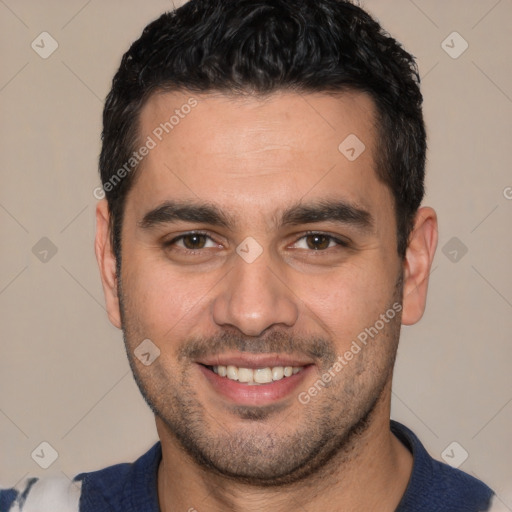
<point>107,263</point>
<point>418,261</point>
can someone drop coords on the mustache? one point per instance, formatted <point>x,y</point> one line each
<point>315,347</point>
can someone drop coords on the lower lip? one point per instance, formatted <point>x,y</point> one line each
<point>260,394</point>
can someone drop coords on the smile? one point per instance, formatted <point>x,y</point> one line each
<point>260,385</point>
<point>255,376</point>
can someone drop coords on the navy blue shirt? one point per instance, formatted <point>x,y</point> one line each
<point>132,487</point>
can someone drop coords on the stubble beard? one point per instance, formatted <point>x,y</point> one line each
<point>261,452</point>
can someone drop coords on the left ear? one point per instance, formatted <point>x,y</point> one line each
<point>418,261</point>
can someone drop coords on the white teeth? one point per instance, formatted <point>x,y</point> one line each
<point>263,375</point>
<point>232,372</point>
<point>277,373</point>
<point>245,375</point>
<point>256,376</point>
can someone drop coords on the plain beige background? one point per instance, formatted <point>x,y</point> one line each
<point>64,377</point>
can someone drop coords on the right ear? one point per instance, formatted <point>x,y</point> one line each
<point>107,262</point>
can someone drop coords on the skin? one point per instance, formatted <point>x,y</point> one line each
<point>254,158</point>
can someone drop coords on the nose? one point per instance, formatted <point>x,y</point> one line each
<point>254,297</point>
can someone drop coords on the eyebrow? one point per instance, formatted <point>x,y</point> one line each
<point>338,211</point>
<point>174,211</point>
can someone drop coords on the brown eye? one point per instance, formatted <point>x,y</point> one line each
<point>194,241</point>
<point>318,242</point>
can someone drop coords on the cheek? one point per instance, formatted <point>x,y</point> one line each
<point>348,301</point>
<point>160,299</point>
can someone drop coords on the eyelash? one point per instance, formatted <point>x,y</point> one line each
<point>338,241</point>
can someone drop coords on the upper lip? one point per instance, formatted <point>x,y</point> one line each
<point>253,361</point>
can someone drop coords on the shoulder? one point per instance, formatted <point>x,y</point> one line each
<point>123,487</point>
<point>57,494</point>
<point>434,485</point>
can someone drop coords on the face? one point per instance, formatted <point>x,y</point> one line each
<point>251,244</point>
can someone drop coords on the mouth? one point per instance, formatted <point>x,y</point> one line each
<point>254,381</point>
<point>256,376</point>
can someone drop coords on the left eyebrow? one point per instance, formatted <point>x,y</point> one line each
<point>338,211</point>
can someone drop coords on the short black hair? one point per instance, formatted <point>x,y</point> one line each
<point>257,47</point>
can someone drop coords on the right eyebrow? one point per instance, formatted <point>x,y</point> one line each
<point>174,211</point>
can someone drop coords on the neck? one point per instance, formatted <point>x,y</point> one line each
<point>370,473</point>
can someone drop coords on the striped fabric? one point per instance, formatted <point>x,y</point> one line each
<point>52,494</point>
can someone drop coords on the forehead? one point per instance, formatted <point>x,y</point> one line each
<point>249,154</point>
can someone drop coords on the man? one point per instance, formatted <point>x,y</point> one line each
<point>260,245</point>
